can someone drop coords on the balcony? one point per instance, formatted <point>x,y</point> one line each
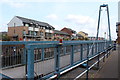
<point>32,36</point>
<point>49,31</point>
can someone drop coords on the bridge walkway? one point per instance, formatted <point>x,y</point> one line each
<point>108,69</point>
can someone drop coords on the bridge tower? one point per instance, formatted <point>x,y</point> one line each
<point>100,9</point>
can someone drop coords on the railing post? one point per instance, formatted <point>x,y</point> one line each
<point>92,50</point>
<point>107,44</point>
<point>104,51</point>
<point>81,52</point>
<point>107,49</point>
<point>42,55</point>
<point>98,55</point>
<point>23,58</point>
<point>114,45</point>
<point>103,46</point>
<point>99,49</point>
<point>107,54</point>
<point>72,56</point>
<point>87,67</point>
<point>104,56</point>
<point>64,50</point>
<point>96,48</point>
<point>57,61</point>
<point>30,62</point>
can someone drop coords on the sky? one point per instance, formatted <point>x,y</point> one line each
<point>75,14</point>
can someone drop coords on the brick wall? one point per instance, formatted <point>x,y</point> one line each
<point>118,34</point>
<point>67,31</point>
<point>17,31</point>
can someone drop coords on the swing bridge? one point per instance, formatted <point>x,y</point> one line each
<point>51,59</point>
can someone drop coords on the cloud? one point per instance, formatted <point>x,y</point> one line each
<point>82,23</point>
<point>86,24</point>
<point>79,19</point>
<point>52,17</point>
<point>15,4</point>
<point>57,27</point>
<point>64,0</point>
<point>3,27</point>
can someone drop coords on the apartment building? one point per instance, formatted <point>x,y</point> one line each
<point>85,35</point>
<point>61,35</point>
<point>94,38</point>
<point>118,24</point>
<point>79,37</point>
<point>118,32</point>
<point>71,32</point>
<point>24,29</point>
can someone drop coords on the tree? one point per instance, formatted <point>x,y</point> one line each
<point>5,38</point>
<point>86,38</point>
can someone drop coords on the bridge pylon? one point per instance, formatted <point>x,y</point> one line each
<point>100,9</point>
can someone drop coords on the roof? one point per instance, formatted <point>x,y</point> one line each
<point>3,32</point>
<point>60,32</point>
<point>118,23</point>
<point>84,33</point>
<point>91,36</point>
<point>73,31</point>
<point>79,35</point>
<point>26,20</point>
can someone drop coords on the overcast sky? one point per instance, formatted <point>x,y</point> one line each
<point>75,14</point>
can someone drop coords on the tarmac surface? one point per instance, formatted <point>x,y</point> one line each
<point>110,68</point>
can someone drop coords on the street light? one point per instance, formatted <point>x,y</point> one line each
<point>105,35</point>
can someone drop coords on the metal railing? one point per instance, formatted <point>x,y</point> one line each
<point>47,59</point>
<point>73,54</point>
<point>13,53</point>
<point>89,67</point>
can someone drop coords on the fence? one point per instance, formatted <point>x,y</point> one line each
<point>65,56</point>
<point>44,59</point>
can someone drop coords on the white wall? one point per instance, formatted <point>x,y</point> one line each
<point>119,11</point>
<point>15,21</point>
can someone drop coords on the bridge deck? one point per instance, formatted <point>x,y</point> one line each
<point>42,67</point>
<point>108,69</point>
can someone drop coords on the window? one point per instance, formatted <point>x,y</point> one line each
<point>35,33</point>
<point>26,24</point>
<point>41,33</point>
<point>43,27</point>
<point>29,32</point>
<point>32,33</point>
<point>24,33</point>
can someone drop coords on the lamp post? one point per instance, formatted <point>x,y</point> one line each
<point>104,35</point>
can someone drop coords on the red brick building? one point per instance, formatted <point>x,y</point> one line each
<point>118,31</point>
<point>61,35</point>
<point>71,32</point>
<point>17,33</point>
<point>20,28</point>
